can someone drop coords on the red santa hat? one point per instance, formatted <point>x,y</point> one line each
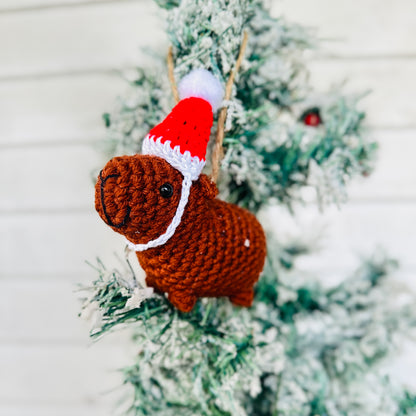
<point>182,138</point>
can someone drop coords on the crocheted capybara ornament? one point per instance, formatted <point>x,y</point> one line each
<point>189,243</point>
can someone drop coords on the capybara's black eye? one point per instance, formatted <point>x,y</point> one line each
<point>166,190</point>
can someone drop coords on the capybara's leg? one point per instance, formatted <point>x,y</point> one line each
<point>151,282</point>
<point>243,298</point>
<point>182,300</point>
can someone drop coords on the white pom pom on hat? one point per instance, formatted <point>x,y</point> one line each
<point>201,83</point>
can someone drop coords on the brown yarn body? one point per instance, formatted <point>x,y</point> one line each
<point>217,250</point>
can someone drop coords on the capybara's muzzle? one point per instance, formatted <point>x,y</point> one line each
<point>114,215</point>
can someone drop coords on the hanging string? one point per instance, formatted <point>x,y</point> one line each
<point>218,153</point>
<point>171,75</point>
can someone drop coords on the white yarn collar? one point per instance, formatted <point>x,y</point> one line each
<point>190,167</point>
<point>162,239</point>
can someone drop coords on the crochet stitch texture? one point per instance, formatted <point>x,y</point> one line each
<point>188,124</point>
<point>218,249</point>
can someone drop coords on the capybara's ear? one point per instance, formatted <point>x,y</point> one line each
<point>207,187</point>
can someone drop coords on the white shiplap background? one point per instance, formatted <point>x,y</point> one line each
<point>57,76</point>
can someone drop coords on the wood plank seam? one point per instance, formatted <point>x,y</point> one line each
<point>322,56</point>
<point>63,5</point>
<point>54,144</point>
<point>121,70</point>
<point>35,76</point>
<point>49,211</point>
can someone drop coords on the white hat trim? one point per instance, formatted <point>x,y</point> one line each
<point>184,162</point>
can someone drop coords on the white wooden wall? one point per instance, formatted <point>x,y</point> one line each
<point>57,62</point>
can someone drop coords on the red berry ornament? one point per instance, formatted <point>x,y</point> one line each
<point>312,118</point>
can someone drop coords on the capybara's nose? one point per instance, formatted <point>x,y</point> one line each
<point>110,210</point>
